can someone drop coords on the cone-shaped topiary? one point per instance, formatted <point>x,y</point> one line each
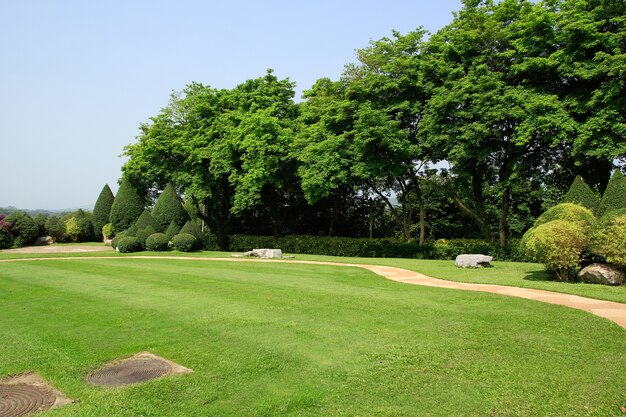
<point>146,220</point>
<point>102,209</point>
<point>580,193</point>
<point>143,234</point>
<point>172,230</point>
<point>614,197</point>
<point>169,208</point>
<point>127,207</point>
<point>193,229</point>
<point>608,237</point>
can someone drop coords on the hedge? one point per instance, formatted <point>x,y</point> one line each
<point>102,209</point>
<point>608,237</point>
<point>126,208</point>
<point>168,208</point>
<point>614,197</point>
<point>129,244</point>
<point>580,193</point>
<point>184,242</point>
<point>157,242</point>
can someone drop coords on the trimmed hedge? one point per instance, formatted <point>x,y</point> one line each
<point>375,248</point>
<point>184,242</point>
<point>126,208</point>
<point>614,197</point>
<point>168,208</point>
<point>568,212</point>
<point>157,242</point>
<point>580,193</point>
<point>129,244</point>
<point>172,230</point>
<point>143,234</point>
<point>608,237</point>
<point>117,238</point>
<point>192,228</point>
<point>146,220</point>
<point>102,209</point>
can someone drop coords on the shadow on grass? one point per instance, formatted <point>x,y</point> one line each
<point>537,276</point>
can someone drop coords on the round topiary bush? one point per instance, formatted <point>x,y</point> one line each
<point>568,212</point>
<point>117,239</point>
<point>157,242</point>
<point>142,235</point>
<point>608,237</point>
<point>128,244</point>
<point>184,242</point>
<point>558,244</point>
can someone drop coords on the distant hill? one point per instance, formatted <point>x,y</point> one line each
<point>34,212</point>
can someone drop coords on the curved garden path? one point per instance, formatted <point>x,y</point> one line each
<point>616,312</point>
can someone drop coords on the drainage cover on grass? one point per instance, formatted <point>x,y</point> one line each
<point>143,366</point>
<point>25,394</point>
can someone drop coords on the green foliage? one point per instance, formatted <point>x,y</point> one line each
<point>115,241</point>
<point>169,208</point>
<point>172,230</point>
<point>143,234</point>
<point>55,227</point>
<point>24,229</point>
<point>6,240</point>
<point>40,219</point>
<point>132,231</point>
<point>146,220</point>
<point>614,197</point>
<point>157,242</point>
<point>79,227</point>
<point>193,229</point>
<point>102,209</point>
<point>569,212</point>
<point>128,244</point>
<point>127,206</point>
<point>184,242</point>
<point>608,237</point>
<point>580,193</point>
<point>559,245</point>
<point>107,231</point>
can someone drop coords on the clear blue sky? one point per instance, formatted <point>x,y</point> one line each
<point>78,77</point>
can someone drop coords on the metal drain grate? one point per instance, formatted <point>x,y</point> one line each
<point>25,394</point>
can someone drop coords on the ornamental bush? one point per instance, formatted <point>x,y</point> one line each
<point>126,208</point>
<point>128,244</point>
<point>117,239</point>
<point>102,210</point>
<point>568,212</point>
<point>580,193</point>
<point>559,245</point>
<point>55,228</point>
<point>143,234</point>
<point>146,220</point>
<point>184,242</point>
<point>614,197</point>
<point>608,237</point>
<point>169,208</point>
<point>107,231</point>
<point>193,229</point>
<point>23,228</point>
<point>157,242</point>
<point>172,230</point>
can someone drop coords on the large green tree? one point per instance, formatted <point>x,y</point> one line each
<point>102,210</point>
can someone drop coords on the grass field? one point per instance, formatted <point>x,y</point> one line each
<point>280,339</point>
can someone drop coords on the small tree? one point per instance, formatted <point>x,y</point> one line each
<point>79,227</point>
<point>6,239</point>
<point>580,193</point>
<point>23,228</point>
<point>41,219</point>
<point>146,220</point>
<point>55,227</point>
<point>102,209</point>
<point>608,237</point>
<point>127,207</point>
<point>614,197</point>
<point>169,208</point>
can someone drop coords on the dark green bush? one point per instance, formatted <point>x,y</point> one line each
<point>102,210</point>
<point>146,220</point>
<point>55,227</point>
<point>126,208</point>
<point>157,242</point>
<point>142,235</point>
<point>169,208</point>
<point>184,242</point>
<point>23,228</point>
<point>132,231</point>
<point>193,229</point>
<point>117,239</point>
<point>41,219</point>
<point>608,237</point>
<point>6,240</point>
<point>172,230</point>
<point>580,193</point>
<point>128,244</point>
<point>78,226</point>
<point>614,197</point>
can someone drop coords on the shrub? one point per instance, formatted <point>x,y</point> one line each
<point>172,230</point>
<point>55,227</point>
<point>580,193</point>
<point>79,227</point>
<point>117,239</point>
<point>102,210</point>
<point>193,229</point>
<point>128,244</point>
<point>608,237</point>
<point>126,208</point>
<point>107,231</point>
<point>157,242</point>
<point>184,242</point>
<point>143,234</point>
<point>568,212</point>
<point>6,240</point>
<point>169,208</point>
<point>40,219</point>
<point>132,231</point>
<point>614,197</point>
<point>559,245</point>
<point>23,228</point>
<point>146,220</point>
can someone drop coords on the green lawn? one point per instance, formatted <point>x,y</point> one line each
<point>270,339</point>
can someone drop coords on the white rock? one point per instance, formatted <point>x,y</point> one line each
<point>44,240</point>
<point>473,260</point>
<point>265,253</point>
<point>602,274</point>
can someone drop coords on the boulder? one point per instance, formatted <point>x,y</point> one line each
<point>107,242</point>
<point>44,240</point>
<point>265,253</point>
<point>602,274</point>
<point>473,261</point>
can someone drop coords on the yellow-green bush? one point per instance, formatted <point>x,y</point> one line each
<point>569,212</point>
<point>608,237</point>
<point>558,244</point>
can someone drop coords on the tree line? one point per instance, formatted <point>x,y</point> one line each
<point>468,132</point>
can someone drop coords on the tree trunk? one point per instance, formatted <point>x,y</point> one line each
<point>504,213</point>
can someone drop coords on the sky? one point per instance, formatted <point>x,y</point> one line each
<point>78,77</point>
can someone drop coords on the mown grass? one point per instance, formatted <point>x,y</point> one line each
<point>270,339</point>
